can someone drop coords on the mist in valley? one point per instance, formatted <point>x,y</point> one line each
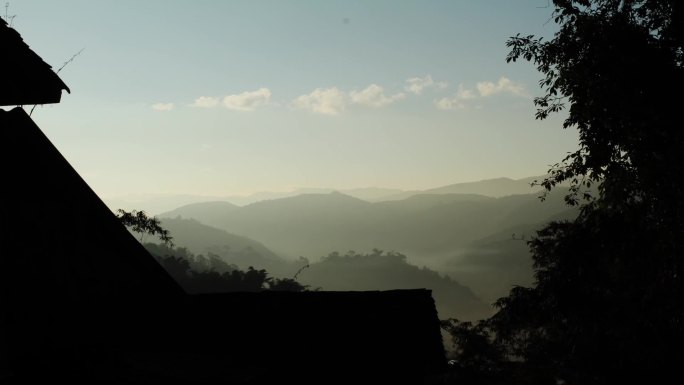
<point>341,192</point>
<point>466,242</point>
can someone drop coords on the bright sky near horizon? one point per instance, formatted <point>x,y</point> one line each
<point>234,97</point>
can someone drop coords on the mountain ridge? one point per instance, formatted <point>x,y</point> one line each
<point>161,203</point>
<point>424,226</point>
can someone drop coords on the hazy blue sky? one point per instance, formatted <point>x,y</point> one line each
<point>232,97</point>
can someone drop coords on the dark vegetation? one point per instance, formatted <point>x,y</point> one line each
<point>352,271</point>
<point>139,222</point>
<point>474,239</point>
<point>379,270</point>
<point>210,274</point>
<point>234,249</point>
<point>207,252</point>
<point>197,273</point>
<point>606,303</point>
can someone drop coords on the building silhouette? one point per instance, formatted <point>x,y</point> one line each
<point>81,301</point>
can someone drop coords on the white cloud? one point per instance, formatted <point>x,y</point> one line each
<point>452,103</point>
<point>464,93</point>
<point>417,85</point>
<point>457,101</point>
<point>504,85</point>
<point>374,96</point>
<point>162,106</point>
<point>328,101</point>
<point>206,102</point>
<point>484,89</point>
<point>247,101</point>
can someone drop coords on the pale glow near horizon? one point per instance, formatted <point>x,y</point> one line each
<point>220,99</point>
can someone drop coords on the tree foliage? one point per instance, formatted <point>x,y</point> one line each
<point>606,306</point>
<point>139,222</point>
<point>197,273</point>
<point>210,274</point>
<point>613,64</point>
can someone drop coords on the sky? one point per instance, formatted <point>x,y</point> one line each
<point>222,98</point>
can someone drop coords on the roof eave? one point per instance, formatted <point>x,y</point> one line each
<point>14,99</point>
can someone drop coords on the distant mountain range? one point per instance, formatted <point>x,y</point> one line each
<point>427,227</point>
<point>203,239</point>
<point>474,232</point>
<point>236,250</point>
<point>371,271</point>
<point>498,187</point>
<point>158,203</point>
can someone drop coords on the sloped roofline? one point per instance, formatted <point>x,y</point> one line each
<point>27,79</point>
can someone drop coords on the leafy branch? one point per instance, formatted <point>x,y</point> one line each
<point>139,222</point>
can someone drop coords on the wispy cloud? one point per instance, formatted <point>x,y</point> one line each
<point>504,85</point>
<point>457,101</point>
<point>374,96</point>
<point>418,84</point>
<point>465,94</point>
<point>163,106</point>
<point>206,102</point>
<point>449,104</point>
<point>333,101</point>
<point>326,101</point>
<point>484,89</point>
<point>247,101</point>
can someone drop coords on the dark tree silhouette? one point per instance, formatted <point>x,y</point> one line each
<point>139,222</point>
<point>606,306</point>
<point>197,273</point>
<point>612,63</point>
<point>210,274</point>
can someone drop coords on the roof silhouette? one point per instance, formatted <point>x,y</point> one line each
<point>69,270</point>
<point>27,79</point>
<point>57,227</point>
<point>318,337</point>
<point>81,300</point>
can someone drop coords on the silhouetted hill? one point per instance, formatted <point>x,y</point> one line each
<point>293,224</point>
<point>367,194</point>
<point>384,271</point>
<point>153,204</point>
<point>311,203</point>
<point>498,187</point>
<point>533,211</point>
<point>370,194</point>
<point>425,226</point>
<point>233,249</point>
<point>495,188</point>
<point>159,203</point>
<point>491,266</point>
<point>351,272</point>
<point>468,236</point>
<point>426,201</point>
<point>209,211</point>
